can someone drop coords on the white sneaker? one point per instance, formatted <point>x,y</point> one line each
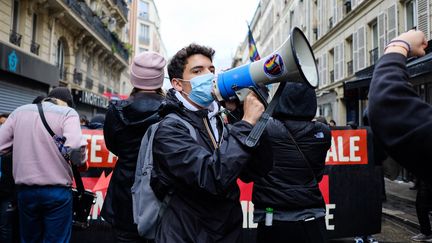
<point>370,239</point>
<point>358,240</point>
<point>422,238</point>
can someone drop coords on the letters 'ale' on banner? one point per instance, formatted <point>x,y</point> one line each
<point>351,186</point>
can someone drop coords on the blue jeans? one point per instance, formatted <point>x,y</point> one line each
<point>45,213</point>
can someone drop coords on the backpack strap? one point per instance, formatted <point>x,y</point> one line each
<point>192,131</point>
<point>77,176</point>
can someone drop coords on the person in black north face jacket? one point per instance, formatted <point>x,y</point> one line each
<point>202,173</point>
<point>291,188</point>
<point>126,122</point>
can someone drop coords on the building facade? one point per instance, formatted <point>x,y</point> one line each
<point>78,44</point>
<point>145,28</point>
<point>348,37</point>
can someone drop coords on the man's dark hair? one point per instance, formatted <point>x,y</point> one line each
<point>178,62</point>
<point>5,115</point>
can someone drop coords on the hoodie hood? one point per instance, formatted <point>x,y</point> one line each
<point>297,102</point>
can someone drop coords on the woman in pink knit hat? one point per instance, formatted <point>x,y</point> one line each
<point>125,125</point>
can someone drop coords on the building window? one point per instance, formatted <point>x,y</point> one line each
<point>34,47</point>
<point>14,37</point>
<point>60,59</point>
<point>411,14</point>
<point>349,55</point>
<point>144,34</point>
<point>101,88</point>
<point>143,10</point>
<point>123,91</point>
<point>325,110</point>
<point>15,15</point>
<point>373,53</point>
<point>331,65</point>
<point>90,67</point>
<point>291,21</point>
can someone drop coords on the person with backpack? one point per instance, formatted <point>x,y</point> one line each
<point>290,194</point>
<point>199,174</point>
<point>126,122</point>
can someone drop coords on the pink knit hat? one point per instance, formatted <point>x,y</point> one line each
<point>147,71</point>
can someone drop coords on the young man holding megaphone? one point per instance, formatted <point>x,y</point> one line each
<point>200,172</point>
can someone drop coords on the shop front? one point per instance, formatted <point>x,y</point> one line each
<point>89,103</point>
<point>23,77</point>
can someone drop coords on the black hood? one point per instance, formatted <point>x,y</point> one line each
<point>297,102</point>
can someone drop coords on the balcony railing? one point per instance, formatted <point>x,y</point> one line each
<point>350,67</point>
<point>373,56</point>
<point>77,77</point>
<point>15,38</point>
<point>89,83</point>
<point>34,48</point>
<point>330,22</point>
<point>332,78</point>
<point>94,23</point>
<point>122,6</point>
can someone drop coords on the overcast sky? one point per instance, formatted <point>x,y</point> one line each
<point>220,24</point>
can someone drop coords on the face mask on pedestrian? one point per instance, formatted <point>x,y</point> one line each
<point>201,93</point>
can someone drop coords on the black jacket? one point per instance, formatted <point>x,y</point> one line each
<point>290,185</point>
<point>125,124</point>
<point>7,184</point>
<point>205,205</point>
<point>399,118</point>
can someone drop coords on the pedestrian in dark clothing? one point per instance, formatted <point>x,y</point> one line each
<point>125,124</point>
<point>202,173</point>
<point>84,121</point>
<point>352,124</point>
<point>290,191</point>
<point>423,207</point>
<point>400,119</point>
<point>332,123</point>
<point>8,203</point>
<point>97,122</point>
<point>322,120</point>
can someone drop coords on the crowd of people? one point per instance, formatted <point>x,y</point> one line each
<point>199,174</point>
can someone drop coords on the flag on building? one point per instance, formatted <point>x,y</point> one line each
<point>253,52</point>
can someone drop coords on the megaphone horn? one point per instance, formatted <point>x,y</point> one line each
<point>293,61</point>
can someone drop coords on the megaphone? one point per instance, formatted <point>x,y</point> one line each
<point>293,61</point>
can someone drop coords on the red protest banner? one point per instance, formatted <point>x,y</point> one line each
<point>97,153</point>
<point>348,147</point>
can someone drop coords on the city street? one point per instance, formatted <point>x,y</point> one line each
<point>314,117</point>
<point>391,232</point>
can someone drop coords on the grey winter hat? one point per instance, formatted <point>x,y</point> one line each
<point>62,93</point>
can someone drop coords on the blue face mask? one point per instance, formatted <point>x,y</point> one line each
<point>201,93</point>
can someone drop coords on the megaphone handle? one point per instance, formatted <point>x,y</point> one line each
<point>259,95</point>
<point>259,127</point>
<point>257,131</point>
